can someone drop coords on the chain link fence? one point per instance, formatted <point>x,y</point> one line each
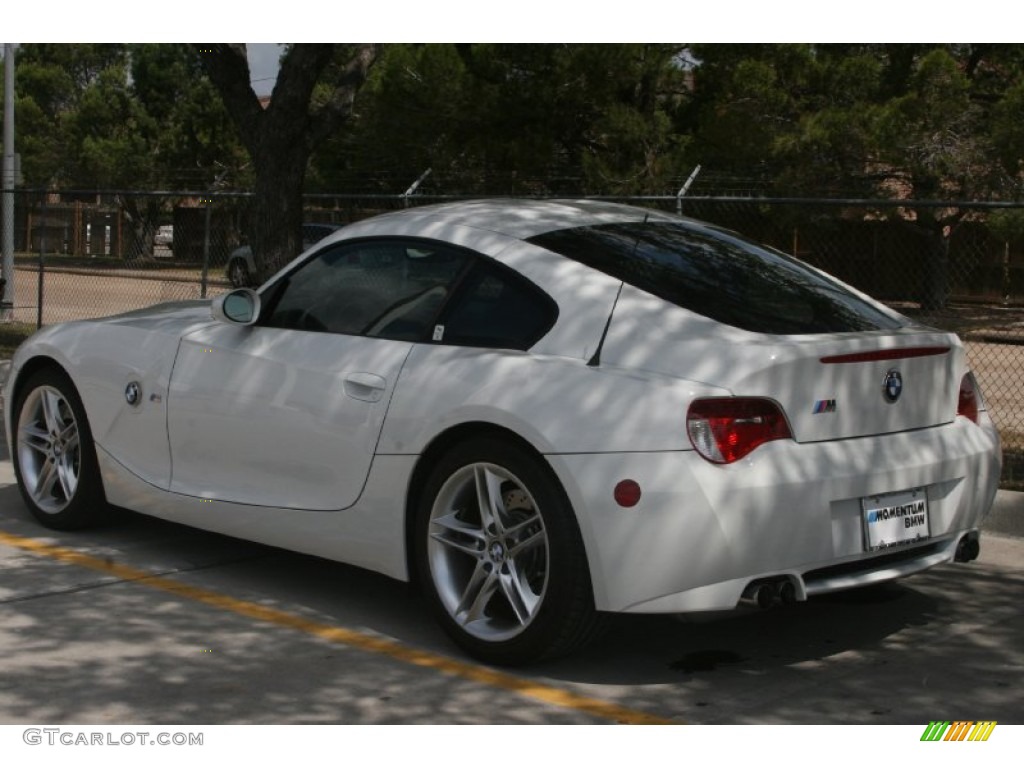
<point>954,265</point>
<point>81,255</point>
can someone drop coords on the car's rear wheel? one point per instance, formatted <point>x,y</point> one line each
<point>238,274</point>
<point>54,457</point>
<point>500,555</point>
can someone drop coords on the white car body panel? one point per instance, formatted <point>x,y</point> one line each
<point>527,394</point>
<point>788,508</point>
<point>479,220</point>
<point>289,418</point>
<point>104,357</point>
<point>310,441</point>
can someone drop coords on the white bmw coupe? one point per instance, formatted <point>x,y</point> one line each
<point>538,411</point>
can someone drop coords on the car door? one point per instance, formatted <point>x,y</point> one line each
<point>287,412</point>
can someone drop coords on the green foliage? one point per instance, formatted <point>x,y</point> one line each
<point>122,116</point>
<point>908,120</point>
<point>1008,224</point>
<point>515,118</point>
<point>1008,129</point>
<point>928,134</point>
<point>891,120</point>
<point>191,138</point>
<point>410,117</point>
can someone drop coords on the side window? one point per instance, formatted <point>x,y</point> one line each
<point>387,289</point>
<point>495,307</point>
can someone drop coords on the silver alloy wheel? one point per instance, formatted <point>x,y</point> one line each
<point>49,449</point>
<point>488,552</point>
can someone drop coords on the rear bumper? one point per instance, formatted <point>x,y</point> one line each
<point>702,532</point>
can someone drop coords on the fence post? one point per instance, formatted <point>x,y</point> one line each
<point>42,265</point>
<point>7,300</point>
<point>684,189</point>
<point>415,185</point>
<point>206,250</point>
<point>1006,273</point>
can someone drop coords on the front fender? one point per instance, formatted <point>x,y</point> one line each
<point>102,357</point>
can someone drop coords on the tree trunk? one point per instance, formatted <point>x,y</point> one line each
<point>276,226</point>
<point>281,137</point>
<point>139,241</point>
<point>935,281</point>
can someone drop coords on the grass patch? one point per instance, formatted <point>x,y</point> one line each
<point>11,335</point>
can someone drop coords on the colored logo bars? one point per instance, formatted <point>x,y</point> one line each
<point>959,730</point>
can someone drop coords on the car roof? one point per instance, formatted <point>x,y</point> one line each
<point>517,218</point>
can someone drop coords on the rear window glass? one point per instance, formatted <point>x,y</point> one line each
<point>720,275</point>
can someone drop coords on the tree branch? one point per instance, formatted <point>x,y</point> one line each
<point>338,108</point>
<point>227,66</point>
<point>301,68</point>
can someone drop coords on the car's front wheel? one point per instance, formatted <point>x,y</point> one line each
<point>54,457</point>
<point>500,555</point>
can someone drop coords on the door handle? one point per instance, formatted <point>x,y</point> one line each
<point>365,386</point>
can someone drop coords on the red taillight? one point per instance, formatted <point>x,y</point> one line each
<point>968,403</point>
<point>725,429</point>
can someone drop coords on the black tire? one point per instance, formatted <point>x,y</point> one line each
<point>238,273</point>
<point>53,454</point>
<point>509,588</point>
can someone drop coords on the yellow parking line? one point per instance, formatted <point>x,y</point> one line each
<point>365,642</point>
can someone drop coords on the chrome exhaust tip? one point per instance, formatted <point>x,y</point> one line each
<point>766,593</point>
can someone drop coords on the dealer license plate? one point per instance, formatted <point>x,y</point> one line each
<point>892,519</point>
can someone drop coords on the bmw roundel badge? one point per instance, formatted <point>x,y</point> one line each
<point>132,393</point>
<point>892,387</point>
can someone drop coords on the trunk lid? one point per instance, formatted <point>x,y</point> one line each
<point>834,389</point>
<point>831,386</point>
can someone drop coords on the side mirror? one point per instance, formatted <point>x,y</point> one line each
<point>240,307</point>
